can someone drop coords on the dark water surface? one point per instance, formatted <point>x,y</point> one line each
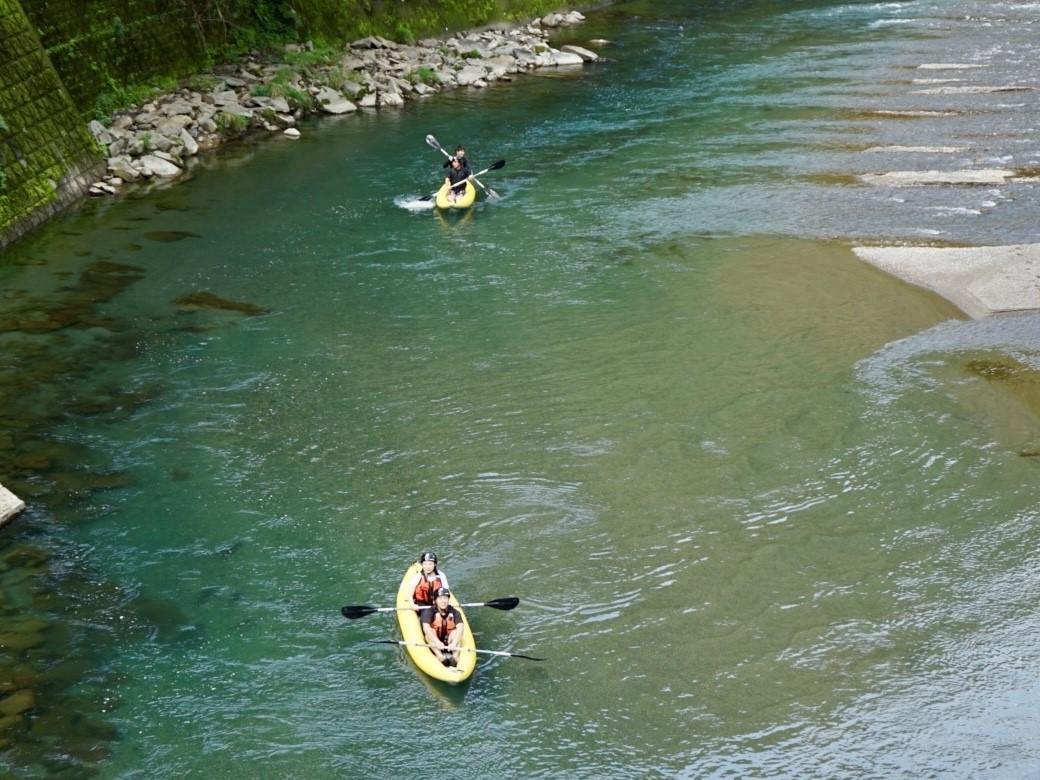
<point>770,513</point>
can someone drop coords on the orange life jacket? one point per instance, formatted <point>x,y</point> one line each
<point>424,591</point>
<point>443,625</point>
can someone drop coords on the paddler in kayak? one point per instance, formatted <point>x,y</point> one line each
<point>460,152</point>
<point>442,626</point>
<point>457,173</point>
<point>427,581</point>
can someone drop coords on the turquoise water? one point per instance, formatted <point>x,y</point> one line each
<point>767,512</point>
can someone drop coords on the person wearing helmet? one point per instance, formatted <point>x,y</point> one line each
<point>458,172</point>
<point>442,626</point>
<point>427,581</point>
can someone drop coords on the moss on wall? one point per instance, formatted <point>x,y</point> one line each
<point>102,46</point>
<point>46,152</point>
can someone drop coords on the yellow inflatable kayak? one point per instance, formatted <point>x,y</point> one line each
<point>464,202</point>
<point>412,633</point>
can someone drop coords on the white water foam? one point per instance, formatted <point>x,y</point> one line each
<point>413,203</point>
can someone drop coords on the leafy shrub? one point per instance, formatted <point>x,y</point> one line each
<point>116,97</point>
<point>423,75</point>
<point>203,82</point>
<point>403,33</point>
<point>231,125</point>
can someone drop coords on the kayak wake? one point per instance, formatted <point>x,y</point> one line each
<point>413,203</point>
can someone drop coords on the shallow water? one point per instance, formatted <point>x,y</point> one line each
<point>769,511</point>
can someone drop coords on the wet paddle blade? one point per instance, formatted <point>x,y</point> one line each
<point>355,611</point>
<point>505,604</point>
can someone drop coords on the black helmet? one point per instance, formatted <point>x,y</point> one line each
<point>442,592</point>
<point>428,556</point>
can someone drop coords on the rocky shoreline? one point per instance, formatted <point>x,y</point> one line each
<point>159,139</point>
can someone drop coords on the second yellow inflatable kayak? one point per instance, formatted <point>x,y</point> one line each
<point>464,202</point>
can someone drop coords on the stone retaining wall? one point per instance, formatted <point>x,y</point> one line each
<point>47,156</point>
<point>97,45</point>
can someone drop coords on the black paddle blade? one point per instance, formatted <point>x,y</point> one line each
<point>498,164</point>
<point>357,611</point>
<point>528,657</point>
<point>507,603</point>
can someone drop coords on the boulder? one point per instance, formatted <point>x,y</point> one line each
<point>565,58</point>
<point>100,133</point>
<point>172,127</point>
<point>332,102</point>
<point>470,75</point>
<point>123,167</point>
<point>291,132</point>
<point>178,107</point>
<point>391,99</point>
<point>191,146</point>
<point>373,42</point>
<point>585,54</point>
<point>157,166</point>
<point>224,98</point>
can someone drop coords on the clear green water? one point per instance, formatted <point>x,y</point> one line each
<point>762,517</point>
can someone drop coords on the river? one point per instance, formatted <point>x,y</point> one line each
<point>769,512</point>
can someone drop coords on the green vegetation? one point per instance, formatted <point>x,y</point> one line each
<point>118,96</point>
<point>231,125</point>
<point>323,54</point>
<point>281,86</point>
<point>423,75</point>
<point>203,82</point>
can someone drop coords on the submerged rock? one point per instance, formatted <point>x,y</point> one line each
<point>208,300</point>
<point>170,236</point>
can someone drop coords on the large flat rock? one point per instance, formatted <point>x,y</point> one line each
<point>10,505</point>
<point>979,280</point>
<point>988,176</point>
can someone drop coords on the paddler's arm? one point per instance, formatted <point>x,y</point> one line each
<point>455,637</point>
<point>411,592</point>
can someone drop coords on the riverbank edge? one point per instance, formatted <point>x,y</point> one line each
<point>266,94</point>
<point>269,92</point>
<point>980,281</point>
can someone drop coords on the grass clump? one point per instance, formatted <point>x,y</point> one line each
<point>231,125</point>
<point>117,97</point>
<point>423,75</point>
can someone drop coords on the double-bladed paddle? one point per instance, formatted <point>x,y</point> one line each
<point>355,611</point>
<point>493,167</point>
<point>470,649</point>
<point>431,141</point>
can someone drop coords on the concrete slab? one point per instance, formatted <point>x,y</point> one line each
<point>980,280</point>
<point>921,149</point>
<point>10,505</point>
<point>968,90</point>
<point>988,176</point>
